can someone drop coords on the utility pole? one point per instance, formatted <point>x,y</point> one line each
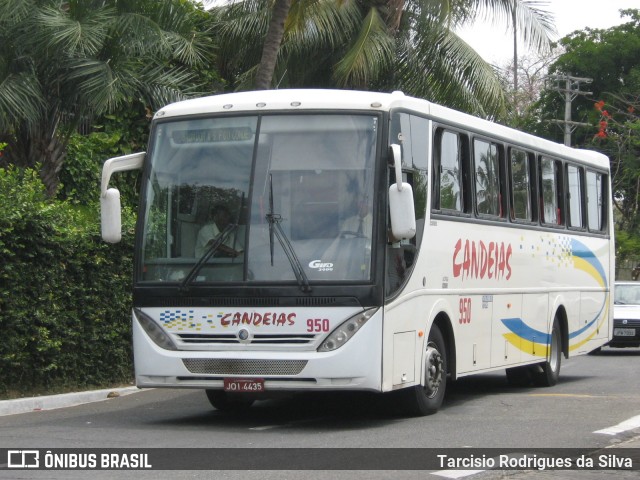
<point>515,57</point>
<point>569,88</point>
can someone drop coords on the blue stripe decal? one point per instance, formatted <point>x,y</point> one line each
<point>522,330</point>
<point>517,326</point>
<point>580,250</point>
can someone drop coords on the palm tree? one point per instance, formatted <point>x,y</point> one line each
<point>272,43</point>
<point>374,44</point>
<point>61,61</point>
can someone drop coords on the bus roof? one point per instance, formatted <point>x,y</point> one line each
<point>312,99</point>
<point>271,100</point>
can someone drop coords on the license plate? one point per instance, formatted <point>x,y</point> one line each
<point>624,332</point>
<point>243,385</point>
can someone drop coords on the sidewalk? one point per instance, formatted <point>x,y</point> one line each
<point>49,402</point>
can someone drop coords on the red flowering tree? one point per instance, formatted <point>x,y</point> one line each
<point>618,135</point>
<point>611,57</point>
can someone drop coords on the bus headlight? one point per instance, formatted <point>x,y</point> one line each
<point>155,331</point>
<point>343,333</point>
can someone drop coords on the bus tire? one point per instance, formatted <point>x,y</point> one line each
<point>426,399</point>
<point>519,376</point>
<point>228,403</point>
<point>548,372</point>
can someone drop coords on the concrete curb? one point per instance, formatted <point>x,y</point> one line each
<point>49,402</point>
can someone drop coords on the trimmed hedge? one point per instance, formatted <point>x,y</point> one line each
<point>64,294</point>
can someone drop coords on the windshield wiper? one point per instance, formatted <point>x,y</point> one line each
<point>274,227</point>
<point>211,249</point>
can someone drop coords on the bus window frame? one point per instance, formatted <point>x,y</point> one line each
<point>502,205</point>
<point>535,157</point>
<point>605,196</point>
<point>532,192</point>
<point>582,190</point>
<point>464,177</point>
<point>560,223</point>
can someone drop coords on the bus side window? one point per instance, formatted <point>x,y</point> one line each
<point>520,185</point>
<point>596,202</point>
<point>550,191</point>
<point>448,178</point>
<point>575,194</point>
<point>487,178</point>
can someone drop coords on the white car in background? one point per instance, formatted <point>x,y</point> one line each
<point>626,315</point>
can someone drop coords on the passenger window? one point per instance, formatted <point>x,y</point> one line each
<point>574,181</point>
<point>520,186</point>
<point>596,201</point>
<point>487,175</point>
<point>551,213</point>
<point>450,179</point>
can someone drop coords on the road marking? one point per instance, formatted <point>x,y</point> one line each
<point>567,395</point>
<point>630,424</point>
<point>456,473</point>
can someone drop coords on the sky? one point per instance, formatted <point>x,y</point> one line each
<point>495,44</point>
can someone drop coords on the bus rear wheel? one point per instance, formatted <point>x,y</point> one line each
<point>543,374</point>
<point>547,373</point>
<point>226,402</point>
<point>426,399</point>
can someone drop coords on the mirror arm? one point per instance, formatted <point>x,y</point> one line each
<point>132,161</point>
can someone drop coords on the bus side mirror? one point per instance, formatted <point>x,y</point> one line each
<point>110,216</point>
<point>401,207</point>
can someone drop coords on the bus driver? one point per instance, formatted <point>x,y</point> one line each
<point>210,232</point>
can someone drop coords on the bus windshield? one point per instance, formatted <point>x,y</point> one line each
<point>274,198</point>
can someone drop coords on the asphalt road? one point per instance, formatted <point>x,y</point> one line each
<point>594,393</point>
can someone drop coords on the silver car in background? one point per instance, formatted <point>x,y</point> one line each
<point>626,315</point>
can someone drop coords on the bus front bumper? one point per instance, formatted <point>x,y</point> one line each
<point>357,365</point>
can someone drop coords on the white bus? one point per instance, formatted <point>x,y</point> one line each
<point>300,240</point>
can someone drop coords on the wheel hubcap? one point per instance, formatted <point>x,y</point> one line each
<point>433,371</point>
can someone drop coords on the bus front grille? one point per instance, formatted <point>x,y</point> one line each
<point>217,366</point>
<point>226,338</point>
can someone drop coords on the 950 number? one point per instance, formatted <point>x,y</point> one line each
<point>465,310</point>
<point>317,325</point>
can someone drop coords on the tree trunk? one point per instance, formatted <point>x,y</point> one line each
<point>42,148</point>
<point>272,42</point>
<point>52,161</point>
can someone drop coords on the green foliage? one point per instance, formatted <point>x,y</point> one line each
<point>627,246</point>
<point>411,46</point>
<point>81,173</point>
<point>611,58</point>
<point>619,137</point>
<point>62,61</point>
<point>124,132</point>
<point>65,296</point>
<point>608,57</point>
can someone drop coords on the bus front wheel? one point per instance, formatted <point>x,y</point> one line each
<point>426,399</point>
